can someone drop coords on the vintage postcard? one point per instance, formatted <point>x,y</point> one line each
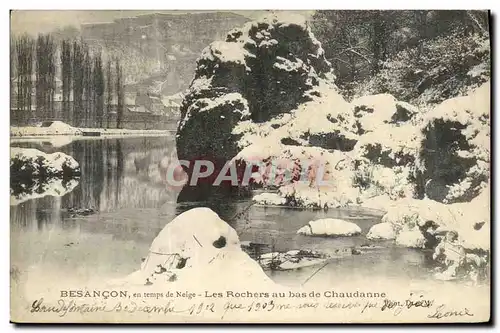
<point>322,166</point>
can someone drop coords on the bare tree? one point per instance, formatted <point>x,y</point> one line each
<point>98,76</point>
<point>119,95</point>
<point>109,92</point>
<point>24,53</point>
<point>77,63</point>
<point>67,70</point>
<point>45,76</point>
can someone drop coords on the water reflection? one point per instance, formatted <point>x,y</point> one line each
<point>55,187</point>
<point>109,180</point>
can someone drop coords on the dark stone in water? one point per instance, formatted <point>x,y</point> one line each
<point>76,212</point>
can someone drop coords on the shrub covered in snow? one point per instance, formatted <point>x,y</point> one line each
<point>471,220</point>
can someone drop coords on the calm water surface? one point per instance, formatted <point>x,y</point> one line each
<point>133,205</point>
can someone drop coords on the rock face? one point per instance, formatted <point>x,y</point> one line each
<point>329,227</point>
<point>136,40</point>
<point>264,69</point>
<point>455,153</point>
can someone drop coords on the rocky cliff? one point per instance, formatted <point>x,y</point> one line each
<point>266,96</point>
<point>263,70</point>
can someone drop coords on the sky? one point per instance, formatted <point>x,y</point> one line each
<point>43,21</point>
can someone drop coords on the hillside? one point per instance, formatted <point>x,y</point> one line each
<point>159,51</point>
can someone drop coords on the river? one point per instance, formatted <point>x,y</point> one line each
<point>133,205</point>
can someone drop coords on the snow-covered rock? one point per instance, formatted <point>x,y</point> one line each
<point>329,227</point>
<point>247,104</point>
<point>381,231</point>
<point>264,69</point>
<point>471,220</point>
<point>411,238</point>
<point>271,199</point>
<point>192,250</point>
<point>33,163</point>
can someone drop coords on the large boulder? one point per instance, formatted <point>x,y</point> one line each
<point>192,250</point>
<point>264,69</point>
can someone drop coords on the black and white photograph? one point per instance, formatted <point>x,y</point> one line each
<point>250,166</point>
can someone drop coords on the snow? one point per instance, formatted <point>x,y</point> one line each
<point>381,231</point>
<point>329,227</point>
<point>379,202</point>
<point>231,99</point>
<point>56,128</point>
<point>376,110</point>
<point>288,65</point>
<point>271,199</point>
<point>225,52</point>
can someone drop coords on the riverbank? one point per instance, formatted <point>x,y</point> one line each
<point>58,128</point>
